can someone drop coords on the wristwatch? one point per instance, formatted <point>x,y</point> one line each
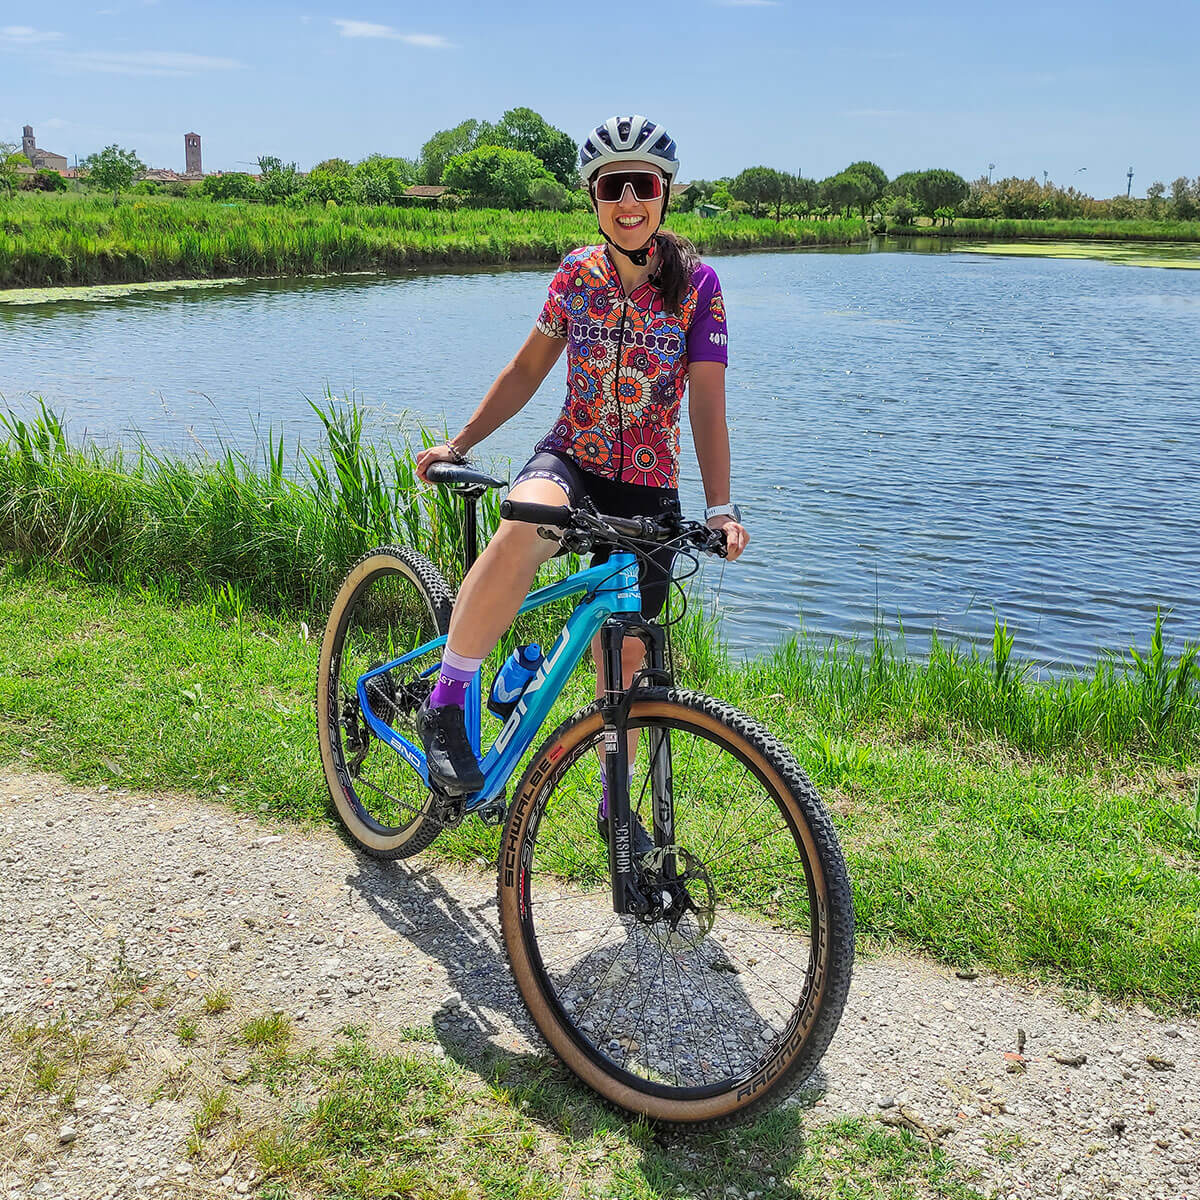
<point>724,510</point>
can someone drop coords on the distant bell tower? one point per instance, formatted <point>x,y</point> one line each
<point>28,145</point>
<point>191,154</point>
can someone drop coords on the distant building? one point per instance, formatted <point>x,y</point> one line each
<point>40,159</point>
<point>191,154</point>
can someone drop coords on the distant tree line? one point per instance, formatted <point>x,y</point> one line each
<point>522,161</point>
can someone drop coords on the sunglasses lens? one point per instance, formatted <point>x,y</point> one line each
<point>646,185</point>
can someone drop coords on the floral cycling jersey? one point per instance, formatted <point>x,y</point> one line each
<point>627,361</point>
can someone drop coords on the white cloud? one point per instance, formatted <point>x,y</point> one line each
<point>368,29</point>
<point>25,35</point>
<point>433,41</point>
<point>364,29</point>
<point>143,62</point>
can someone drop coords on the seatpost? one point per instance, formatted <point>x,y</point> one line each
<point>470,532</point>
<point>470,497</point>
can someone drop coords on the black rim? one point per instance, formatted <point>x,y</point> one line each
<point>735,956</point>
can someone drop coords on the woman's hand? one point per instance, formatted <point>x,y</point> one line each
<point>435,454</point>
<point>736,536</point>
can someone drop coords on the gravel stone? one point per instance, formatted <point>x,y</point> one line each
<point>323,931</point>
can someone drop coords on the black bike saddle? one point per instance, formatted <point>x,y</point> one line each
<point>458,475</point>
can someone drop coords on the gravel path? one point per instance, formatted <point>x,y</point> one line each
<point>98,885</point>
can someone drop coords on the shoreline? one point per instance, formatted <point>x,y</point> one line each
<point>157,241</point>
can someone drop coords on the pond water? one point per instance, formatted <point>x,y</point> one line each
<point>926,439</point>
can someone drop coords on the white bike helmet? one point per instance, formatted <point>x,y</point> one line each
<point>628,139</point>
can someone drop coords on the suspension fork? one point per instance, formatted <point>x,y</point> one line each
<point>614,708</point>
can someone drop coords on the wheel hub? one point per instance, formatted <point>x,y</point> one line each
<point>679,884</point>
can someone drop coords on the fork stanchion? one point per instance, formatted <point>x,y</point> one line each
<point>616,765</point>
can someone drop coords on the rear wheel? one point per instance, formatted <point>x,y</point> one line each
<point>699,1019</point>
<point>392,601</point>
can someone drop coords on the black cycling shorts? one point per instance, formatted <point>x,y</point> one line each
<point>617,500</point>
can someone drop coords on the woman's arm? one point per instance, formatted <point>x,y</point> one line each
<point>506,397</point>
<point>706,410</point>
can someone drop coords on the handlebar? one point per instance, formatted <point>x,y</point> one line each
<point>558,515</point>
<point>582,528</point>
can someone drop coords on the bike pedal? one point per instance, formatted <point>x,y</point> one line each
<point>494,811</point>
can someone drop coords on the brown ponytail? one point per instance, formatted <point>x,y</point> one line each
<point>677,260</point>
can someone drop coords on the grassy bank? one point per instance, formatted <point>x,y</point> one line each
<point>53,240</point>
<point>151,631</point>
<point>1057,230</point>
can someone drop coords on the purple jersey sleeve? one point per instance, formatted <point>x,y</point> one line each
<point>553,321</point>
<point>706,340</point>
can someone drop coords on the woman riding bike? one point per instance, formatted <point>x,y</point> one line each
<point>641,319</point>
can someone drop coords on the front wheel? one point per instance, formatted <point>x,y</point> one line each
<point>392,601</point>
<point>700,1021</point>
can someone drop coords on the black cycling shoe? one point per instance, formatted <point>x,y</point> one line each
<point>453,767</point>
<point>643,843</point>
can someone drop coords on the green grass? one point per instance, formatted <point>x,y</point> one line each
<point>1058,230</point>
<point>417,1125</point>
<point>77,239</point>
<point>1072,867</point>
<point>235,535</point>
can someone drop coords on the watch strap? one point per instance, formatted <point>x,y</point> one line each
<point>722,510</point>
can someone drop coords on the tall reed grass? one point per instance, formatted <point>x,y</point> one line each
<point>268,533</point>
<point>52,240</point>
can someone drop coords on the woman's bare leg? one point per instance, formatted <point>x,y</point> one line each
<point>496,586</point>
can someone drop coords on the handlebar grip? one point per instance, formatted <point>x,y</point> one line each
<point>536,514</point>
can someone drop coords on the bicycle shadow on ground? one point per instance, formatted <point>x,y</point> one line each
<point>414,902</point>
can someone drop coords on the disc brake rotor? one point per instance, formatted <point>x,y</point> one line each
<point>686,895</point>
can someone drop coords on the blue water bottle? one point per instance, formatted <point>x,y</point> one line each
<point>513,678</point>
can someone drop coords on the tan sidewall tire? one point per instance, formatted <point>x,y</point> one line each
<point>411,565</point>
<point>816,1028</point>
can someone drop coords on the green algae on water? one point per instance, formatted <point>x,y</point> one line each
<point>1131,254</point>
<point>104,291</point>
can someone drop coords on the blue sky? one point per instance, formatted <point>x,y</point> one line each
<point>1031,87</point>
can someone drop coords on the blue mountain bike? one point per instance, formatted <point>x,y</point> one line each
<point>696,982</point>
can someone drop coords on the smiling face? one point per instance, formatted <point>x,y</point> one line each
<point>629,222</point>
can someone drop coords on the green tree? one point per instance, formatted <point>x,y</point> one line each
<point>323,185</point>
<point>900,210</point>
<point>803,194</point>
<point>11,160</point>
<point>760,187</point>
<point>280,181</point>
<point>846,190</point>
<point>236,185</point>
<point>113,170</point>
<point>876,179</point>
<point>382,179</point>
<point>524,129</point>
<point>939,189</point>
<point>45,180</point>
<point>492,175</point>
<point>549,194</point>
<point>1154,195</point>
<point>1183,203</point>
<point>333,166</point>
<point>446,144</point>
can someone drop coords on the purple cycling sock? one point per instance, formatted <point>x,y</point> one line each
<point>456,674</point>
<point>604,791</point>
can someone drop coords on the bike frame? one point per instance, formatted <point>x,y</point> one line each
<point>611,591</point>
